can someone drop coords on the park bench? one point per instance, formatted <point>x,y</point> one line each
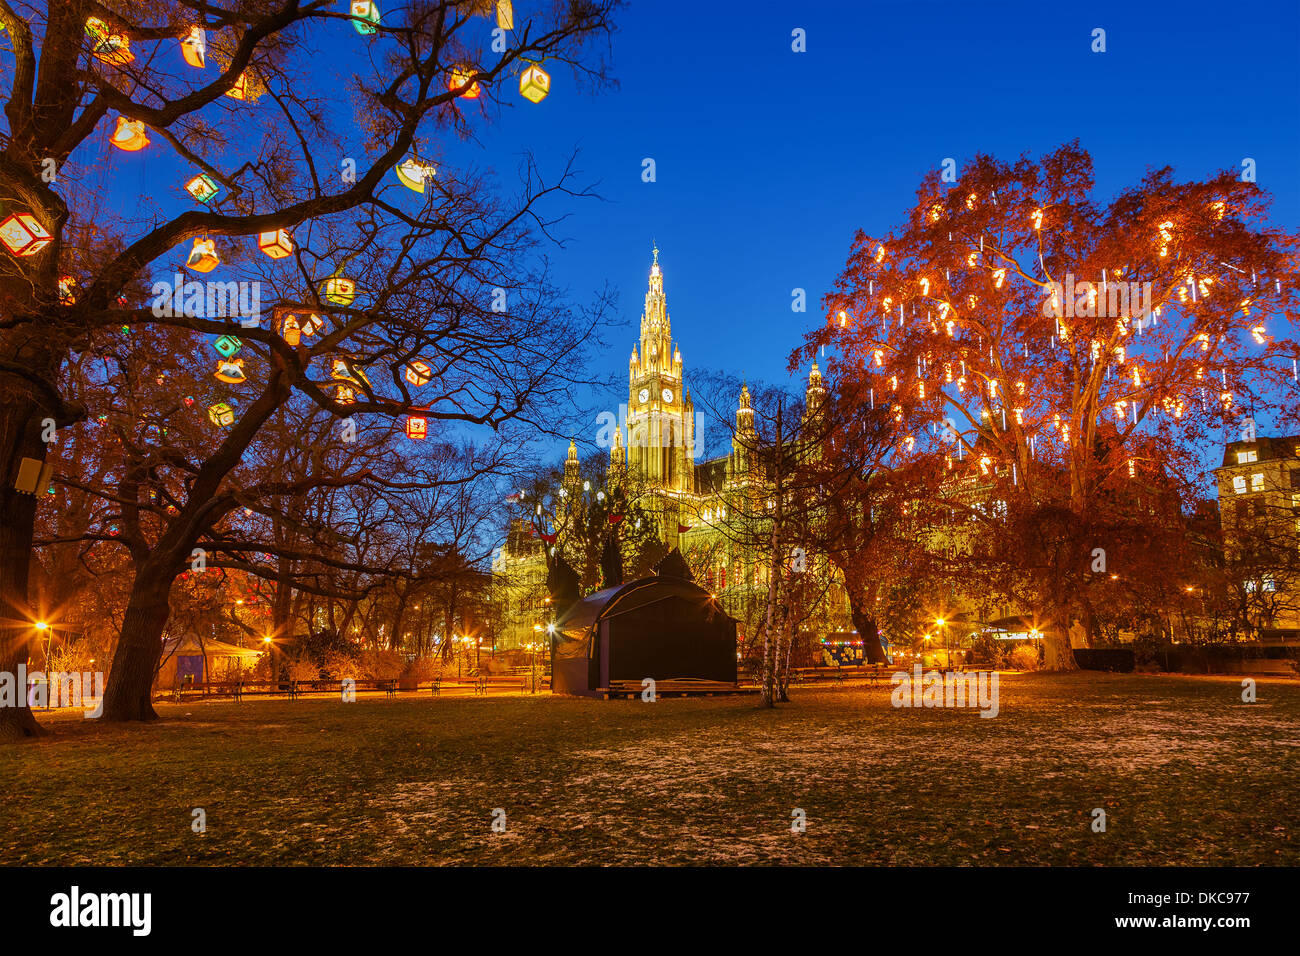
<point>674,687</point>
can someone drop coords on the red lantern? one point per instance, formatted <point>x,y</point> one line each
<point>417,427</point>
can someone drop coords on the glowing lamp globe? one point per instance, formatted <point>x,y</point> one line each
<point>534,84</point>
<point>413,174</point>
<point>221,414</point>
<point>276,244</point>
<point>129,135</point>
<point>418,373</point>
<point>203,257</point>
<point>417,427</point>
<point>22,235</point>
<point>202,187</point>
<point>458,77</point>
<point>195,47</point>
<point>340,289</point>
<point>365,14</point>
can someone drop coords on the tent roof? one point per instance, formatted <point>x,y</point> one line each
<point>631,596</point>
<point>213,648</point>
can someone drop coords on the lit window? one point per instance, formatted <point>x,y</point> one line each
<point>1245,457</point>
<point>1257,482</point>
<point>1239,484</point>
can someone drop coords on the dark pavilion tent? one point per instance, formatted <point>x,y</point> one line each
<point>664,626</point>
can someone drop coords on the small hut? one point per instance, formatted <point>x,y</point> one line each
<point>184,661</point>
<point>664,626</point>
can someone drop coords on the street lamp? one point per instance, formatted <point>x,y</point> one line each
<point>947,645</point>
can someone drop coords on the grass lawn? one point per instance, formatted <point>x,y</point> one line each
<point>1186,773</point>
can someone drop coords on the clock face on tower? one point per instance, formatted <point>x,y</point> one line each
<point>644,396</point>
<point>667,396</point>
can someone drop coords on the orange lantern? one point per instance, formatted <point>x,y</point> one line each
<point>195,47</point>
<point>22,235</point>
<point>240,90</point>
<point>129,135</point>
<point>459,76</point>
<point>417,427</point>
<point>418,373</point>
<point>276,244</point>
<point>203,257</point>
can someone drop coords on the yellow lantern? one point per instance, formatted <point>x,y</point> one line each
<point>203,257</point>
<point>221,414</point>
<point>112,48</point>
<point>340,289</point>
<point>534,84</point>
<point>240,90</point>
<point>195,47</point>
<point>413,173</point>
<point>129,135</point>
<point>276,244</point>
<point>22,235</point>
<point>505,15</point>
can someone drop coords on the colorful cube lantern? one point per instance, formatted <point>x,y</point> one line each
<point>202,187</point>
<point>417,427</point>
<point>340,289</point>
<point>276,244</point>
<point>227,345</point>
<point>418,373</point>
<point>22,235</point>
<point>365,14</point>
<point>534,84</point>
<point>222,414</point>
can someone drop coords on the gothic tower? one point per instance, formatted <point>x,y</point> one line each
<point>661,420</point>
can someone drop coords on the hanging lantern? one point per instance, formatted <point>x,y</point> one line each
<point>129,135</point>
<point>505,15</point>
<point>203,257</point>
<point>417,427</point>
<point>458,77</point>
<point>344,395</point>
<point>340,289</point>
<point>23,235</point>
<point>342,371</point>
<point>227,345</point>
<point>418,373</point>
<point>290,330</point>
<point>202,187</point>
<point>112,48</point>
<point>534,84</point>
<point>365,14</point>
<point>240,90</point>
<point>276,244</point>
<point>67,290</point>
<point>231,371</point>
<point>221,414</point>
<point>412,173</point>
<point>195,47</point>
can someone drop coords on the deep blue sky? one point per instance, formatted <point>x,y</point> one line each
<point>768,160</point>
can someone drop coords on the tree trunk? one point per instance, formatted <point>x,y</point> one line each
<point>130,682</point>
<point>19,438</point>
<point>868,630</point>
<point>1057,654</point>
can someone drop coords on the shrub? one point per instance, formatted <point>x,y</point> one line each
<point>381,665</point>
<point>1105,658</point>
<point>1023,657</point>
<point>423,668</point>
<point>987,652</point>
<point>303,670</point>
